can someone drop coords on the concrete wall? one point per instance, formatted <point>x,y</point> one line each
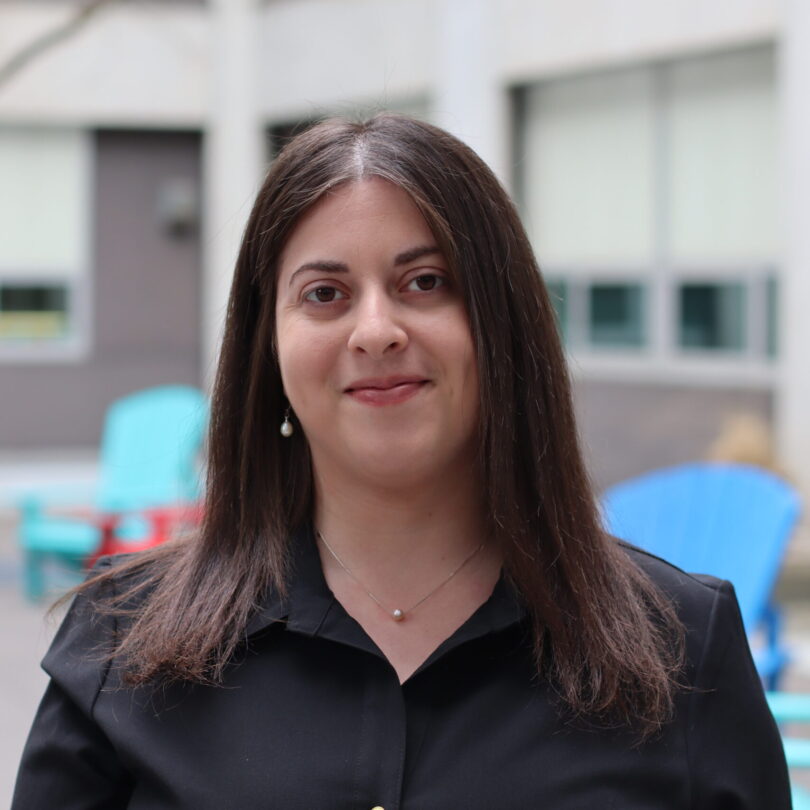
<point>146,300</point>
<point>541,38</point>
<point>631,428</point>
<point>323,53</point>
<point>320,53</point>
<point>131,64</point>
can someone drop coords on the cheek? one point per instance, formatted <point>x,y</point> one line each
<point>461,365</point>
<point>306,360</point>
<point>470,389</point>
<point>464,347</point>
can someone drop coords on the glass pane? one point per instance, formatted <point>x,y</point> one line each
<point>721,158</point>
<point>43,206</point>
<point>712,316</point>
<point>771,315</point>
<point>33,312</point>
<point>588,186</point>
<point>558,293</point>
<point>616,317</point>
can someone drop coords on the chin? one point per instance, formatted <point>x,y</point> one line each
<point>403,465</point>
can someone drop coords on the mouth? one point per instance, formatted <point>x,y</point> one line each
<point>386,391</point>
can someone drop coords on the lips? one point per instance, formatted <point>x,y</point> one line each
<point>386,390</point>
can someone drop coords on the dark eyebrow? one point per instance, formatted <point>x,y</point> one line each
<point>322,266</point>
<point>406,257</point>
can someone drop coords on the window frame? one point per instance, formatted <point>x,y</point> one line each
<point>661,358</point>
<point>78,281</point>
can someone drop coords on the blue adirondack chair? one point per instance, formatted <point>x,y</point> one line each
<point>149,459</point>
<point>731,521</point>
<point>792,709</point>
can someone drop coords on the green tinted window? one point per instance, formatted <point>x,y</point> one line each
<point>34,311</point>
<point>712,316</point>
<point>615,315</point>
<point>771,310</point>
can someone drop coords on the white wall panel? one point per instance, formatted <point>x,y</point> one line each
<point>589,170</point>
<point>43,203</point>
<point>321,54</point>
<point>721,155</point>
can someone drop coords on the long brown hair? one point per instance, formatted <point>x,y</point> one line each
<point>603,634</point>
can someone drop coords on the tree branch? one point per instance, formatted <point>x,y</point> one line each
<point>49,39</point>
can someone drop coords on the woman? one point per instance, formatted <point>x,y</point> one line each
<point>401,596</point>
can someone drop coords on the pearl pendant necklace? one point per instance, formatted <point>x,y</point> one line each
<point>398,614</point>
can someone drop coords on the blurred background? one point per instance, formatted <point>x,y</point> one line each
<point>657,151</point>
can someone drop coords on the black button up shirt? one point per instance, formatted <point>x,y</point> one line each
<point>312,715</point>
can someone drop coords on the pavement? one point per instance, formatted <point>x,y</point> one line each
<point>26,631</point>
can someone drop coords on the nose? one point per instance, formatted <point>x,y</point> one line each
<point>377,330</point>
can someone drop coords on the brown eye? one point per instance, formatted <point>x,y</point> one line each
<point>426,283</point>
<point>323,295</point>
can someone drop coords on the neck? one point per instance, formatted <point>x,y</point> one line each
<point>398,539</point>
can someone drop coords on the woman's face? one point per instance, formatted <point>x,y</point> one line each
<point>373,340</point>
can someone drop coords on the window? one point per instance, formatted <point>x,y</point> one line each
<point>771,304</point>
<point>589,158</point>
<point>615,315</point>
<point>33,312</point>
<point>44,210</point>
<point>649,195</point>
<point>719,154</point>
<point>712,316</point>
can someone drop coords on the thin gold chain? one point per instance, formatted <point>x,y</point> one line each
<point>398,615</point>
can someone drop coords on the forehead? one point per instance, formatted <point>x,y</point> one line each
<point>368,213</point>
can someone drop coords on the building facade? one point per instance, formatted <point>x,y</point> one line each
<point>655,150</point>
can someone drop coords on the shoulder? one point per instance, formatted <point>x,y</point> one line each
<point>690,591</point>
<point>75,658</point>
<point>733,747</point>
<point>79,657</point>
<point>683,587</point>
<point>123,582</point>
<point>706,606</point>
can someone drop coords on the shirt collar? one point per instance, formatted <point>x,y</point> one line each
<point>311,608</point>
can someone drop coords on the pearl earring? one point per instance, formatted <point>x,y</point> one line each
<point>287,428</point>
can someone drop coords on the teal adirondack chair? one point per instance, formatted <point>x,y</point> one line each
<point>149,459</point>
<point>728,520</point>
<point>792,709</point>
